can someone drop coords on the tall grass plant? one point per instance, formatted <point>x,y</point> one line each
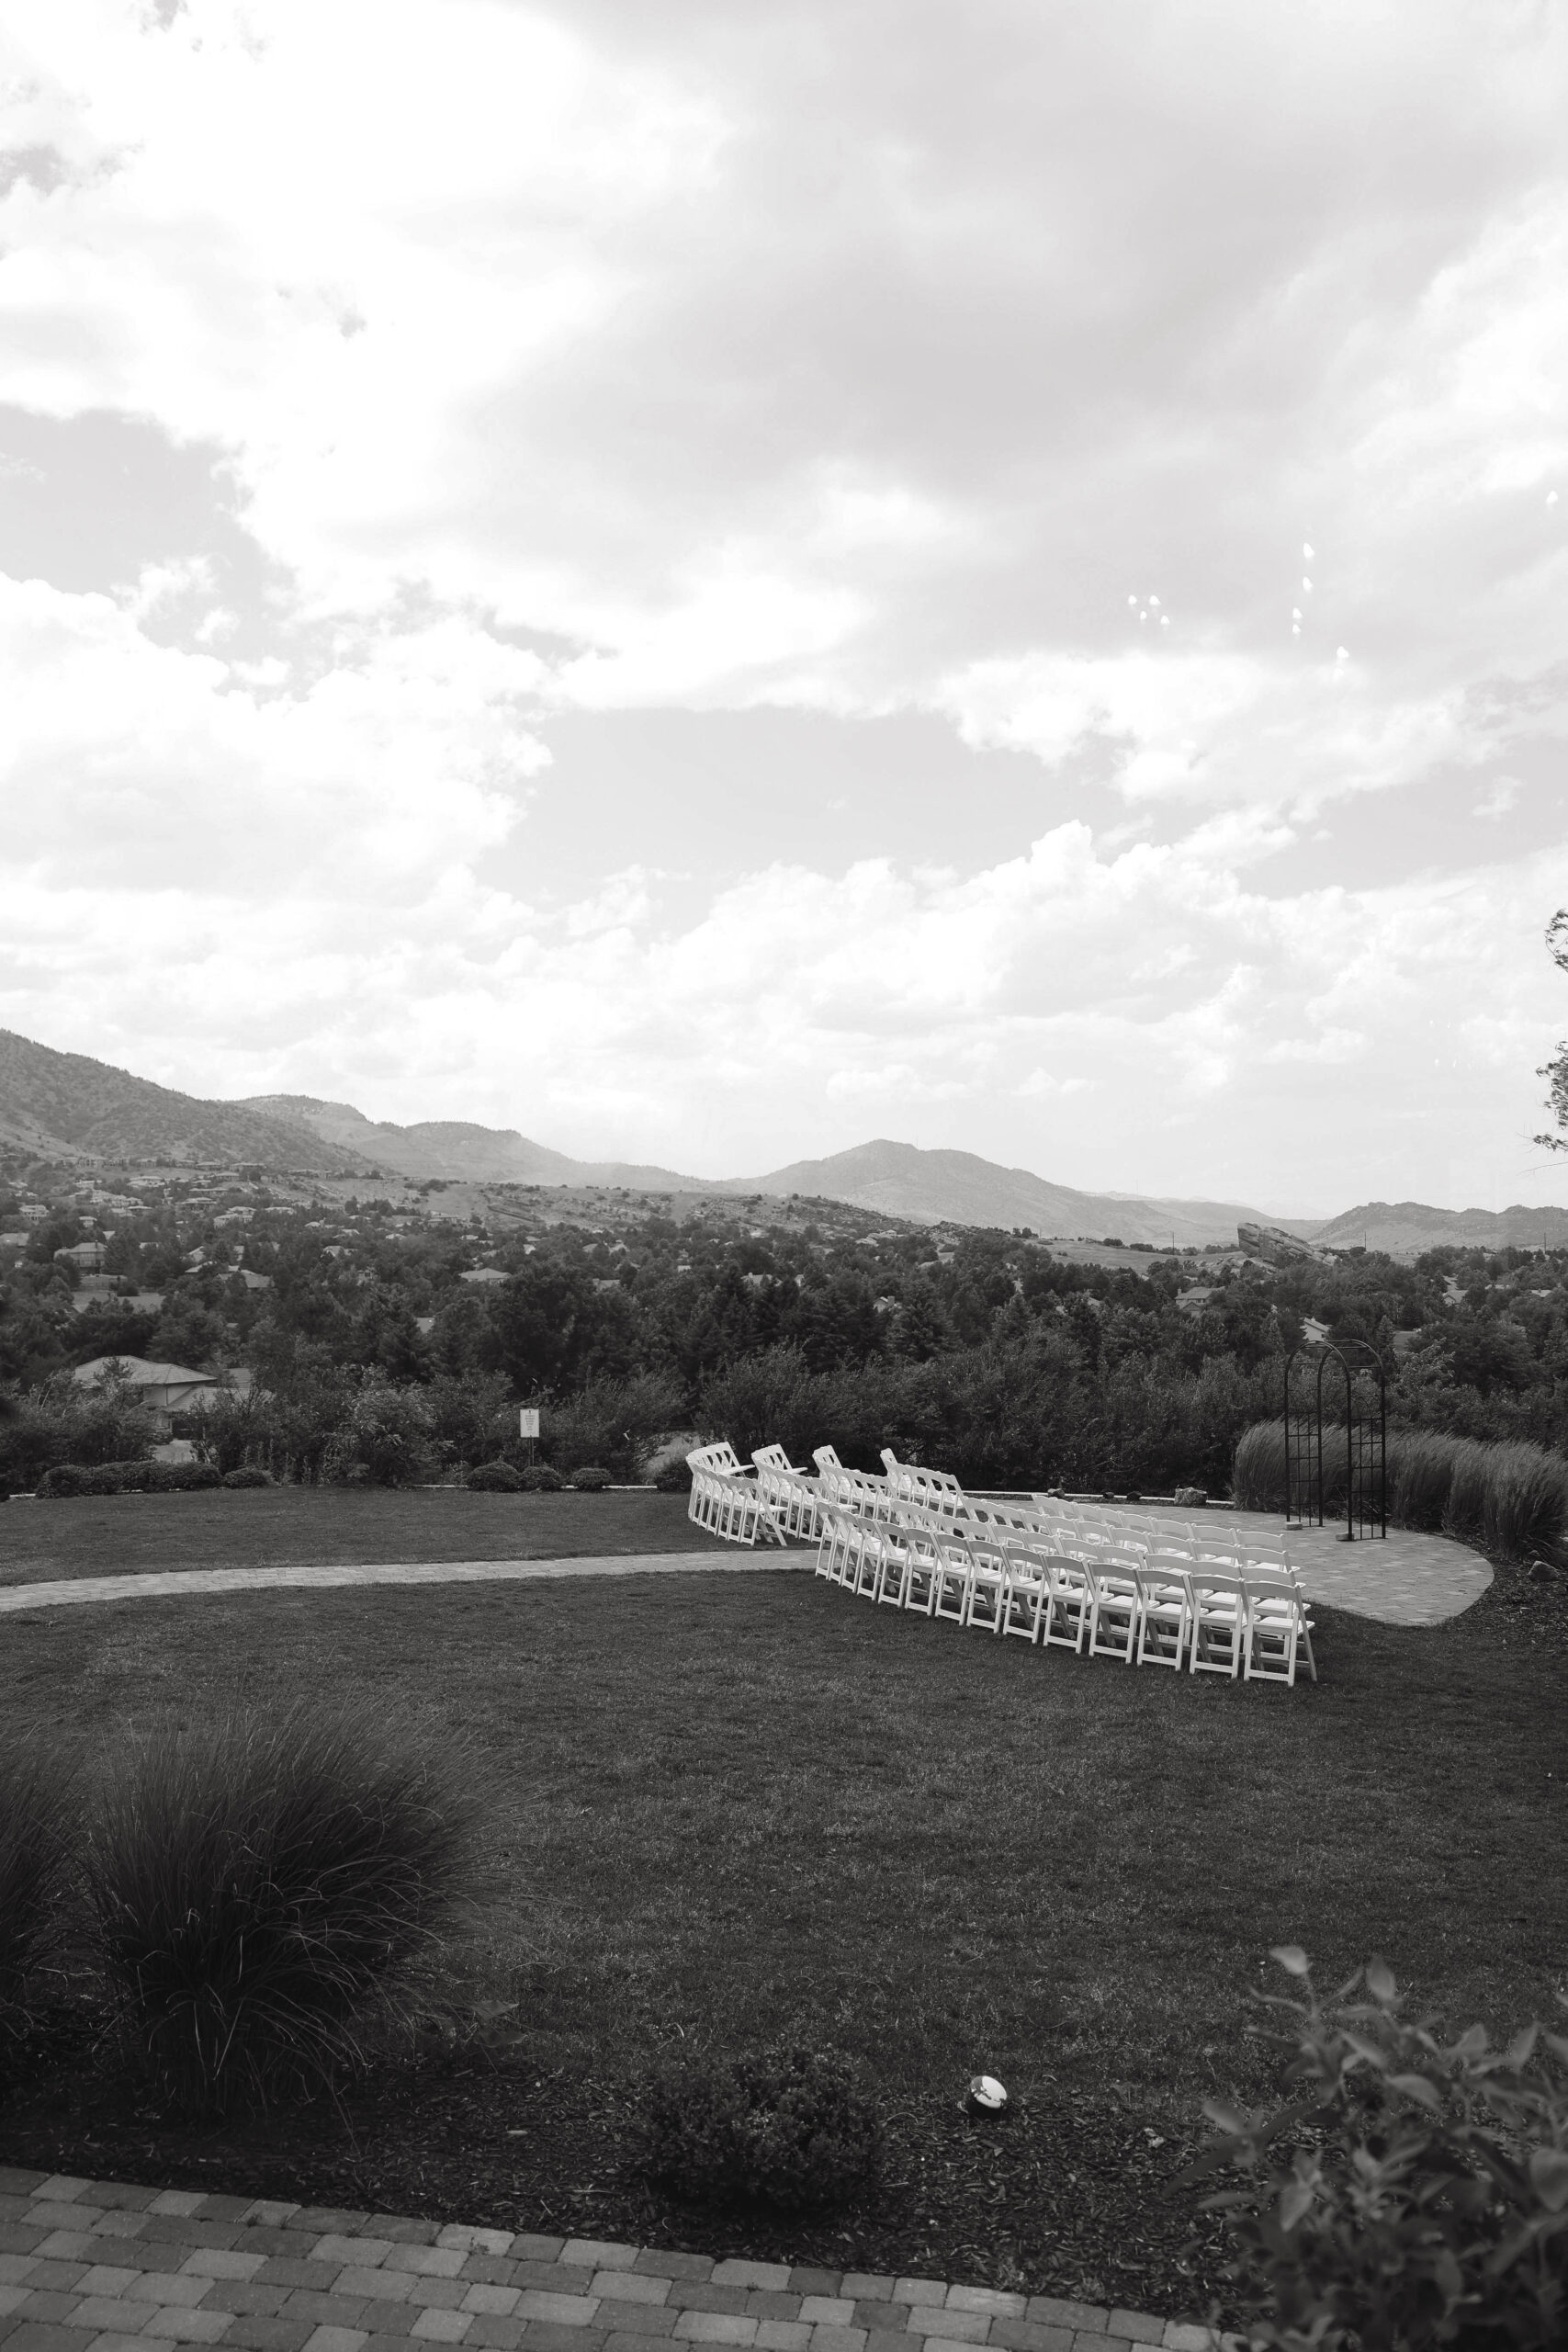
<point>1510,1499</point>
<point>37,1822</point>
<point>261,1885</point>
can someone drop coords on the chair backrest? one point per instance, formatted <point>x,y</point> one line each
<point>772,1457</point>
<point>720,1458</point>
<point>825,1458</point>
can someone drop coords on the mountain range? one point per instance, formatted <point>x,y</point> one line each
<point>69,1108</point>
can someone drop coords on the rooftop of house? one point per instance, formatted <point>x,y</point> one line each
<point>138,1372</point>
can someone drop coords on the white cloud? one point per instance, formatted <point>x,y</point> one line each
<point>853,361</point>
<point>1503,796</point>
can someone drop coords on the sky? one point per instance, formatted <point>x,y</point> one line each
<point>711,581</point>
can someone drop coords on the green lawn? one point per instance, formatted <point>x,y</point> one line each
<point>736,1808</point>
<point>122,1535</point>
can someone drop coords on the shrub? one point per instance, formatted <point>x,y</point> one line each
<point>248,1474</point>
<point>60,1423</point>
<point>1412,2192</point>
<point>610,1421</point>
<point>541,1478</point>
<point>790,2129</point>
<point>258,1884</point>
<point>65,1479</point>
<point>385,1436</point>
<point>36,1820</point>
<point>494,1478</point>
<point>591,1479</point>
<point>675,1478</point>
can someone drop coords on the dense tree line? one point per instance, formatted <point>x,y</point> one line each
<point>985,1350</point>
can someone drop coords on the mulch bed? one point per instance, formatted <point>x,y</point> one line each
<point>1073,2198</point>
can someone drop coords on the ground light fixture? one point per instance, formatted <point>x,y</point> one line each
<point>986,2096</point>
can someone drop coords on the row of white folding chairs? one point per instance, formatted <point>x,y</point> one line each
<point>725,1499</point>
<point>935,1490</point>
<point>1120,1607</point>
<point>1209,1539</point>
<point>792,1495</point>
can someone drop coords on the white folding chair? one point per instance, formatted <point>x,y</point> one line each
<point>1071,1607</point>
<point>1114,1612</point>
<point>1027,1596</point>
<point>987,1585</point>
<point>1276,1626</point>
<point>1219,1621</point>
<point>956,1570</point>
<point>1165,1614</point>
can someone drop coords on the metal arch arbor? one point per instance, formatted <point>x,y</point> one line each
<point>1365,1439</point>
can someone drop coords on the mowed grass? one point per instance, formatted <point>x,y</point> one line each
<point>288,1525</point>
<point>736,1808</point>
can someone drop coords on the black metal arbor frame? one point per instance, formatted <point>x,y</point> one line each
<point>1365,1438</point>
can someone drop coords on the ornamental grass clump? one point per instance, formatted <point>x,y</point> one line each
<point>260,1887</point>
<point>790,2129</point>
<point>37,1826</point>
<point>1411,2193</point>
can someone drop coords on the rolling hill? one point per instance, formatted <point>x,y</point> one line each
<point>1406,1226</point>
<point>67,1107</point>
<point>960,1188</point>
<point>458,1150</point>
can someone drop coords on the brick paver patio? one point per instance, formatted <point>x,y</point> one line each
<point>94,2266</point>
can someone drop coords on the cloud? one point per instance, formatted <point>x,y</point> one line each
<point>225,896</point>
<point>506,361</point>
<point>1503,796</point>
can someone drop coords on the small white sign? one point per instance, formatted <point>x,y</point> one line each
<point>528,1421</point>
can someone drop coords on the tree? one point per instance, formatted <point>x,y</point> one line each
<point>1556,1069</point>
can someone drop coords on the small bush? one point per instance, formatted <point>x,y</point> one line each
<point>249,1474</point>
<point>1412,2193</point>
<point>591,1479</point>
<point>675,1478</point>
<point>67,1478</point>
<point>494,1478</point>
<point>791,2128</point>
<point>541,1478</point>
<point>36,1821</point>
<point>257,1886</point>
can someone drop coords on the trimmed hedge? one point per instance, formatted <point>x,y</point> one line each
<point>494,1478</point>
<point>591,1479</point>
<point>69,1480</point>
<point>541,1478</point>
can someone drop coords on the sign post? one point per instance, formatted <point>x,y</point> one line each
<point>528,1427</point>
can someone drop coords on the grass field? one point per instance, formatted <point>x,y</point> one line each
<point>122,1535</point>
<point>731,1808</point>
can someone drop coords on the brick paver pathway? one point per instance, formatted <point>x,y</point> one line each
<point>93,2265</point>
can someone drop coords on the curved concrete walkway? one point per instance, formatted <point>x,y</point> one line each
<point>1404,1580</point>
<point>161,1584</point>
